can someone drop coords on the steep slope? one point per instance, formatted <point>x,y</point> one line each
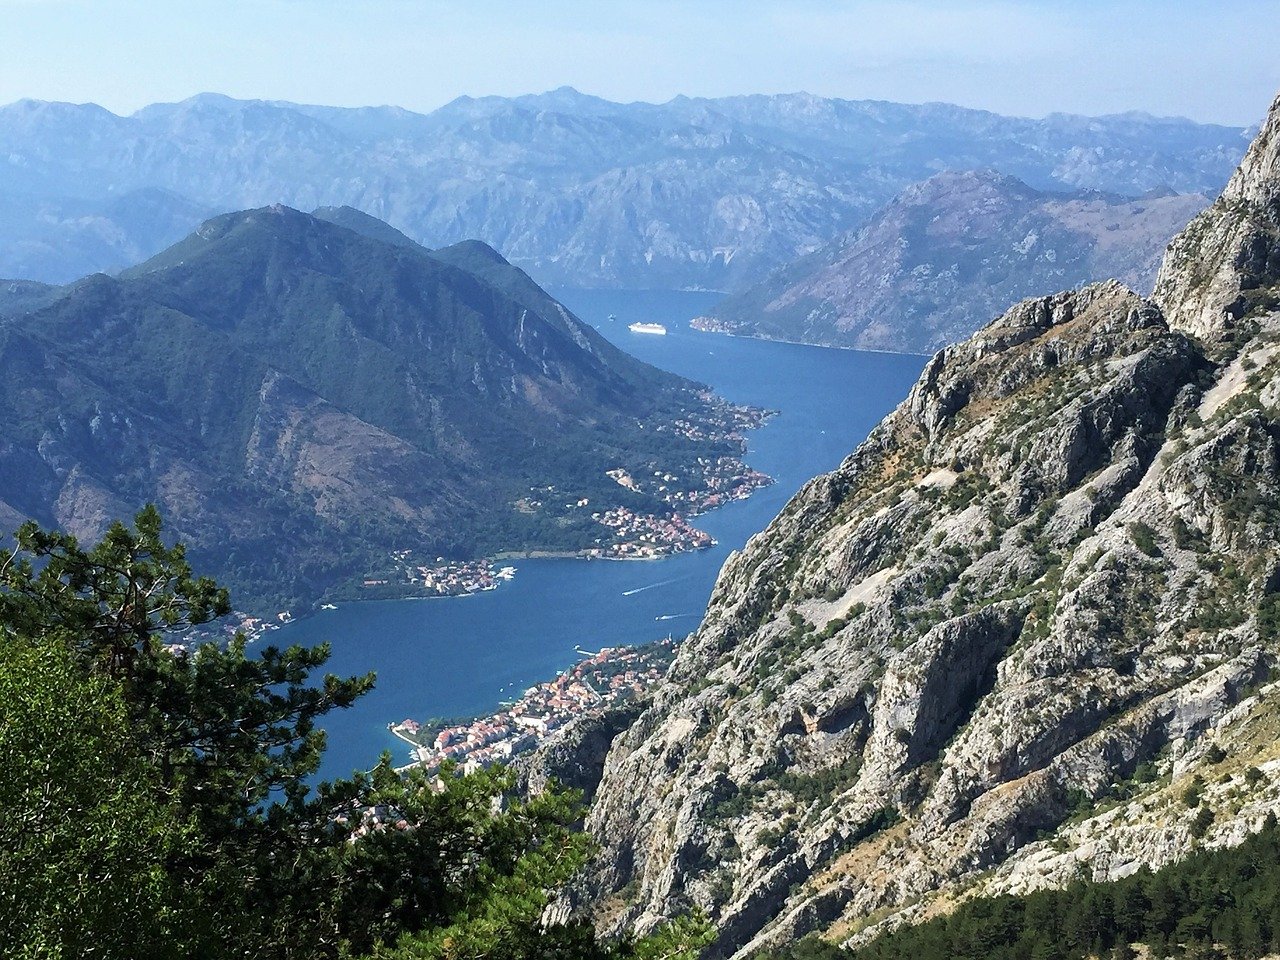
<point>950,253</point>
<point>577,190</point>
<point>1026,629</point>
<point>1225,264</point>
<point>300,399</point>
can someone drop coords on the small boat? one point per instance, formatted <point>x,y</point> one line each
<point>613,316</point>
<point>648,328</point>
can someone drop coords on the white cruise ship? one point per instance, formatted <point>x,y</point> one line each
<point>647,328</point>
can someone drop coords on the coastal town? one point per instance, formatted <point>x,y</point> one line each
<point>612,675</point>
<point>712,325</point>
<point>720,481</point>
<point>445,578</point>
<point>626,533</point>
<point>646,536</point>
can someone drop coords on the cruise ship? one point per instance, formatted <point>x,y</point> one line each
<point>647,328</point>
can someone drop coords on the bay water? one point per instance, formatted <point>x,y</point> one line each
<point>464,656</point>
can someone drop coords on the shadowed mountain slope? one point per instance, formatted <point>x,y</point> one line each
<point>949,254</point>
<point>300,399</point>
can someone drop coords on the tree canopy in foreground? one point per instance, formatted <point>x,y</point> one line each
<point>156,802</point>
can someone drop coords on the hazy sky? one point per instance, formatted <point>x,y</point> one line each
<point>1210,61</point>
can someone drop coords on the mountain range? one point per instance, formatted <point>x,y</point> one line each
<point>1024,637</point>
<point>692,193</point>
<point>303,394</point>
<point>949,254</point>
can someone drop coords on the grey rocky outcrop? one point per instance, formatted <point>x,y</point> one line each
<point>1225,264</point>
<point>1042,587</point>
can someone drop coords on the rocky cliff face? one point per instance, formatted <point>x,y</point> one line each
<point>1225,264</point>
<point>948,254</point>
<point>998,643</point>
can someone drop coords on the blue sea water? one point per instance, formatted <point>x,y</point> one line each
<point>450,657</point>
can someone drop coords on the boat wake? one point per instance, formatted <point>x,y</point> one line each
<point>675,616</point>
<point>663,583</point>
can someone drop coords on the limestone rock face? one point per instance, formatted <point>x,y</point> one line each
<point>946,255</point>
<point>1225,264</point>
<point>992,648</point>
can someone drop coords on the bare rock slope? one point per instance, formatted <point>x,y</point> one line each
<point>948,254</point>
<point>994,646</point>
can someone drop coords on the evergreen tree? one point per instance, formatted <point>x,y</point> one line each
<point>155,800</point>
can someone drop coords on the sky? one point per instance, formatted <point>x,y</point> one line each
<point>1208,61</point>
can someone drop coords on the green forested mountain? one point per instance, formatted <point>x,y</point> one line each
<point>301,398</point>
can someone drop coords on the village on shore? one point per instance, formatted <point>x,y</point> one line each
<point>613,675</point>
<point>625,533</point>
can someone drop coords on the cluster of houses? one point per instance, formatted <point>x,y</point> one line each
<point>455,579</point>
<point>643,535</point>
<point>612,674</point>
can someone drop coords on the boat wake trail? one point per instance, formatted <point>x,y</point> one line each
<point>663,583</point>
<point>675,616</point>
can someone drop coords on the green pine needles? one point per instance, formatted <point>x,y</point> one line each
<point>155,802</point>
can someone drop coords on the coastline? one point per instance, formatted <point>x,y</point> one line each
<point>644,543</point>
<point>806,343</point>
<point>597,681</point>
<point>575,555</point>
<point>395,732</point>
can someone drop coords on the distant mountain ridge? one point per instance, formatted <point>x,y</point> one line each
<point>949,254</point>
<point>574,189</point>
<point>300,398</point>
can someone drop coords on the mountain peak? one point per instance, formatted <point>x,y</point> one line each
<point>1226,264</point>
<point>479,250</point>
<point>1257,180</point>
<point>332,375</point>
<point>569,100</point>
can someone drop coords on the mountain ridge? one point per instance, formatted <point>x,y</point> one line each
<point>302,399</point>
<point>715,191</point>
<point>1026,630</point>
<point>949,253</point>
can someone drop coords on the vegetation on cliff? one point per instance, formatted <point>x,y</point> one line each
<point>997,645</point>
<point>1213,903</point>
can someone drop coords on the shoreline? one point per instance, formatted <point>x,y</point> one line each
<point>581,555</point>
<point>587,687</point>
<point>753,481</point>
<point>550,555</point>
<point>391,729</point>
<point>805,343</point>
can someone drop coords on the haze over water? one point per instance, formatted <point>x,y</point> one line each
<point>461,656</point>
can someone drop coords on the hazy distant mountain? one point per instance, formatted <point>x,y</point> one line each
<point>300,398</point>
<point>951,253</point>
<point>575,189</point>
<point>56,238</point>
